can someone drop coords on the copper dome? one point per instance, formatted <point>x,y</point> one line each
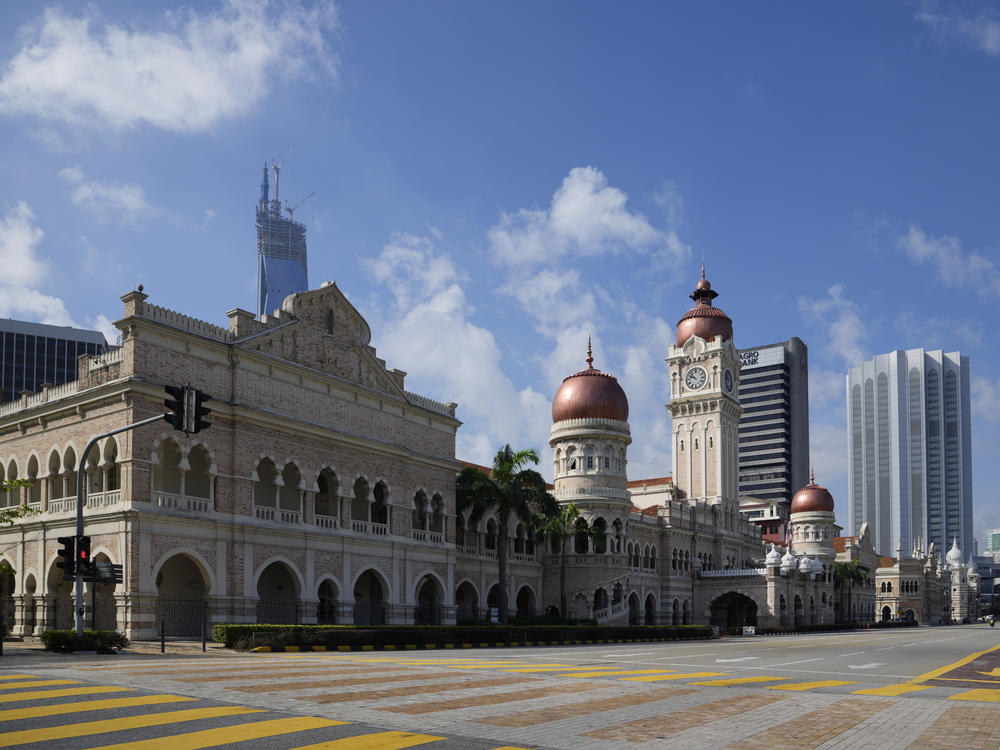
<point>703,319</point>
<point>590,394</point>
<point>812,498</point>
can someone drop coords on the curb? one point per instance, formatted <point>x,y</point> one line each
<point>434,646</point>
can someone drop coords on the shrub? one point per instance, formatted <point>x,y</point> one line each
<point>66,641</point>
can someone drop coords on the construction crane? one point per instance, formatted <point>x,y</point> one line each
<point>276,166</point>
<point>292,209</point>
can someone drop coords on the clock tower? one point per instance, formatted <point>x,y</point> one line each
<point>704,403</point>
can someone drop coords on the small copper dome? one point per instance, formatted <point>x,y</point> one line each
<point>703,319</point>
<point>590,394</point>
<point>812,498</point>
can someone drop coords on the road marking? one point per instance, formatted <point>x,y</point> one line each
<point>7,677</point>
<point>65,731</point>
<point>742,658</point>
<point>675,676</point>
<point>885,648</point>
<point>803,661</point>
<point>34,695</point>
<point>955,665</point>
<point>984,695</point>
<point>582,675</point>
<point>38,683</point>
<point>890,690</point>
<point>377,741</point>
<point>554,669</point>
<point>799,686</point>
<point>13,714</point>
<point>993,673</point>
<point>225,735</point>
<point>739,681</point>
<point>870,665</point>
<point>853,653</point>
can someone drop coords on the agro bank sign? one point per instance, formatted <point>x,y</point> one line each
<point>751,358</point>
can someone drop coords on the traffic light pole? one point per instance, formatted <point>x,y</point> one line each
<point>79,509</point>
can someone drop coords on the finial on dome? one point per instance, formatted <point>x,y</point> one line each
<point>812,475</point>
<point>702,268</point>
<point>590,356</point>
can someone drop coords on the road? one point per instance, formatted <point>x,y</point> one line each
<point>904,688</point>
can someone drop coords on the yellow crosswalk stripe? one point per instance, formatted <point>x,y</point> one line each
<point>891,690</point>
<point>38,683</point>
<point>799,686</point>
<point>556,668</point>
<point>6,677</point>
<point>660,678</point>
<point>984,695</point>
<point>377,741</point>
<point>37,695</point>
<point>7,739</point>
<point>227,735</point>
<point>739,681</point>
<point>617,672</point>
<point>14,714</point>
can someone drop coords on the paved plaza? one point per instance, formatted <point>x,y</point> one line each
<point>912,688</point>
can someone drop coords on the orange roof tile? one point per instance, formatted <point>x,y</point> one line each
<point>886,562</point>
<point>652,482</point>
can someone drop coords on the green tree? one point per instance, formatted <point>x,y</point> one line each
<point>847,575</point>
<point>562,524</point>
<point>10,514</point>
<point>509,491</point>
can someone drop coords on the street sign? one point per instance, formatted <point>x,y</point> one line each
<point>103,571</point>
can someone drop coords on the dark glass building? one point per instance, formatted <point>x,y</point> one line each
<point>36,353</point>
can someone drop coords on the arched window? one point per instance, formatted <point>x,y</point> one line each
<point>54,478</point>
<point>69,475</point>
<point>264,490</point>
<point>35,491</point>
<point>359,505</point>
<point>290,492</point>
<point>652,559</point>
<point>491,534</point>
<point>198,482</point>
<point>519,536</point>
<point>581,543</point>
<point>460,530</point>
<point>326,502</point>
<point>166,472</point>
<point>437,514</point>
<point>112,470</point>
<point>380,508</point>
<point>419,516</point>
<point>600,536</point>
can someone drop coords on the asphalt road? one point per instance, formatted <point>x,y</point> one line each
<point>899,688</point>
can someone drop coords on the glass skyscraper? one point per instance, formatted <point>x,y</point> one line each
<point>909,435</point>
<point>282,266</point>
<point>35,353</point>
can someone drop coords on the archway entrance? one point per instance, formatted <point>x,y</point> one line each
<point>525,602</point>
<point>326,610</point>
<point>886,614</point>
<point>102,613</point>
<point>7,596</point>
<point>734,610</point>
<point>180,597</point>
<point>278,602</point>
<point>428,610</point>
<point>650,613</point>
<point>467,602</point>
<point>633,609</point>
<point>369,600</point>
<point>493,603</point>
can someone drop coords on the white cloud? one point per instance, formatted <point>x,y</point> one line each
<point>22,271</point>
<point>986,399</point>
<point>188,71</point>
<point>587,217</point>
<point>826,386</point>
<point>556,299</point>
<point>104,324</point>
<point>104,199</point>
<point>841,320</point>
<point>669,198</point>
<point>981,31</point>
<point>953,266</point>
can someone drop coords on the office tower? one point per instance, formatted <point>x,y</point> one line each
<point>993,540</point>
<point>774,427</point>
<point>909,438</point>
<point>281,250</point>
<point>35,353</point>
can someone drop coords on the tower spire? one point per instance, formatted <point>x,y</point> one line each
<point>590,355</point>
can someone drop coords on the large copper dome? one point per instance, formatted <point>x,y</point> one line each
<point>589,394</point>
<point>812,498</point>
<point>704,319</point>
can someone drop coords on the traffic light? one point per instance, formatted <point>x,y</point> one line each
<point>83,553</point>
<point>176,405</point>
<point>200,411</point>
<point>67,558</point>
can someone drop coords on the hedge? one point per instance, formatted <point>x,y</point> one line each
<point>354,637</point>
<point>66,641</point>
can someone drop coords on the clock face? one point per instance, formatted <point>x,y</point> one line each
<point>695,378</point>
<point>729,380</point>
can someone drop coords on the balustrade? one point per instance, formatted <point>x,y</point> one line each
<point>182,503</point>
<point>327,522</point>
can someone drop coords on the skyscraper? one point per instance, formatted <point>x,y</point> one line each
<point>909,437</point>
<point>774,427</point>
<point>35,353</point>
<point>281,251</point>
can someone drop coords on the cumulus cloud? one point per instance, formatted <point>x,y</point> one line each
<point>586,217</point>
<point>447,355</point>
<point>107,199</point>
<point>23,271</point>
<point>980,31</point>
<point>986,399</point>
<point>840,318</point>
<point>187,72</point>
<point>953,266</point>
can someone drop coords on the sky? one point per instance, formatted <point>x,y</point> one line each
<point>492,183</point>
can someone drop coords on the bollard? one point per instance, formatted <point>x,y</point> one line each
<point>163,637</point>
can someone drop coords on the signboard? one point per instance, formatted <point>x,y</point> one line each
<point>751,358</point>
<point>102,571</point>
<point>749,630</point>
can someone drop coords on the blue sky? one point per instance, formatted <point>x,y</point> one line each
<point>494,182</point>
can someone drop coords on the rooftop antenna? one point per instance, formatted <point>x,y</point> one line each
<point>276,166</point>
<point>291,209</point>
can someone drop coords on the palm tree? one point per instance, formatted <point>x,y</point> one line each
<point>509,490</point>
<point>562,524</point>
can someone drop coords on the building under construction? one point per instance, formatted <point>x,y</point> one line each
<point>281,250</point>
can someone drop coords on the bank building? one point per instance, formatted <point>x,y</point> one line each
<point>324,491</point>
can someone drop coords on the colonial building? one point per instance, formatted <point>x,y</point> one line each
<point>324,491</point>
